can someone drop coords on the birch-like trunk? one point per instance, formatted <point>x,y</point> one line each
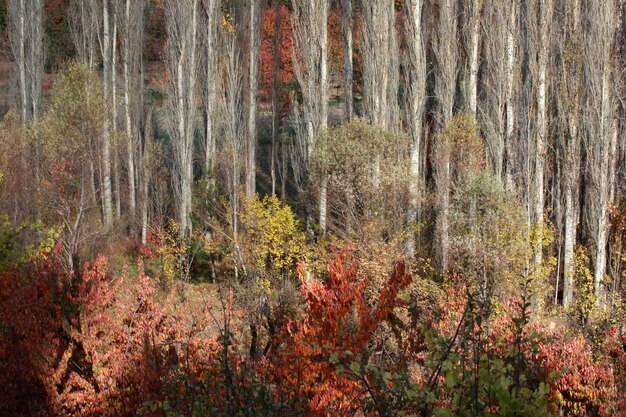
<point>473,23</point>
<point>415,65</point>
<point>253,55</point>
<point>106,139</point>
<point>510,85</point>
<point>348,81</point>
<point>181,66</point>
<point>446,55</point>
<point>540,21</point>
<point>310,20</point>
<point>25,33</point>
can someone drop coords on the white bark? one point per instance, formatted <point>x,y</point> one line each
<point>540,21</point>
<point>380,69</point>
<point>600,124</point>
<point>252,91</point>
<point>415,63</point>
<point>25,30</point>
<point>310,19</point>
<point>209,82</point>
<point>473,23</point>
<point>348,82</point>
<point>445,49</point>
<point>570,87</point>
<point>106,140</point>
<point>181,66</point>
<point>510,85</point>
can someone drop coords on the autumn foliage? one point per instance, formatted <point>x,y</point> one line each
<point>78,345</point>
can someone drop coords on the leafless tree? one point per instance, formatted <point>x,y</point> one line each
<point>106,138</point>
<point>493,110</point>
<point>472,32</point>
<point>254,34</point>
<point>132,47</point>
<point>209,81</point>
<point>347,17</point>
<point>415,73</point>
<point>146,151</point>
<point>232,123</point>
<point>599,117</point>
<point>84,18</point>
<point>512,80</point>
<point>181,104</point>
<point>26,45</point>
<point>310,59</point>
<point>380,63</point>
<point>539,21</point>
<point>446,54</point>
<point>569,70</point>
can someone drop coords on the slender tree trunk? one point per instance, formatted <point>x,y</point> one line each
<point>445,49</point>
<point>474,49</point>
<point>116,166</point>
<point>252,90</point>
<point>106,140</point>
<point>130,134</point>
<point>510,83</point>
<point>276,60</point>
<point>348,86</point>
<point>544,22</point>
<point>415,64</point>
<point>22,61</point>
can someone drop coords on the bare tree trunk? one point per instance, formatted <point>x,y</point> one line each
<point>599,41</point>
<point>310,19</point>
<point>276,59</point>
<point>570,88</point>
<point>132,53</point>
<point>146,163</point>
<point>25,30</point>
<point>116,165</point>
<point>380,101</point>
<point>181,66</point>
<point>445,49</point>
<point>539,21</point>
<point>510,83</point>
<point>473,22</point>
<point>209,81</point>
<point>252,90</point>
<point>348,82</point>
<point>106,140</point>
<point>494,111</point>
<point>415,69</point>
<point>233,125</point>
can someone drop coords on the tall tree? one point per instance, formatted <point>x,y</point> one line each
<point>539,21</point>
<point>347,17</point>
<point>599,117</point>
<point>181,104</point>
<point>569,69</point>
<point>209,83</point>
<point>84,18</point>
<point>106,138</point>
<point>132,56</point>
<point>446,54</point>
<point>380,63</point>
<point>310,19</point>
<point>473,9</point>
<point>512,79</point>
<point>415,73</point>
<point>26,45</point>
<point>494,111</point>
<point>254,34</point>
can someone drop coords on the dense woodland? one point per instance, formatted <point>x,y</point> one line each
<point>313,208</point>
